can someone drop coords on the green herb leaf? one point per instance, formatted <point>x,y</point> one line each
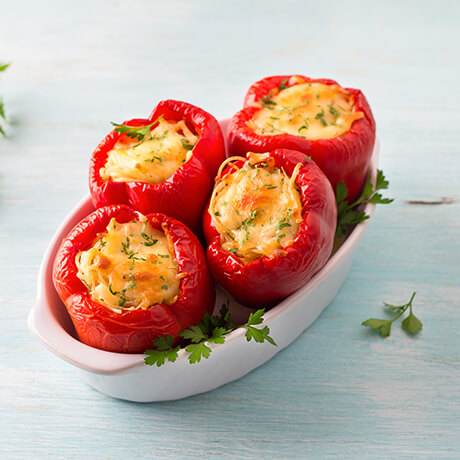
<point>283,84</point>
<point>259,335</point>
<point>211,329</point>
<point>256,318</point>
<point>381,325</point>
<point>194,333</point>
<point>411,324</point>
<point>267,102</point>
<point>333,111</point>
<point>164,351</point>
<point>197,351</point>
<point>320,116</point>
<point>140,133</point>
<point>186,144</point>
<point>3,67</point>
<point>348,214</point>
<point>149,241</point>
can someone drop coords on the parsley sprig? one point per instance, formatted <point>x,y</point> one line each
<point>267,101</point>
<point>348,214</point>
<point>149,240</point>
<point>3,67</point>
<point>211,329</point>
<point>411,323</point>
<point>141,133</point>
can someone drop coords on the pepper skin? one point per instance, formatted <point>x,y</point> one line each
<point>266,280</point>
<point>132,331</point>
<point>184,194</point>
<point>343,158</point>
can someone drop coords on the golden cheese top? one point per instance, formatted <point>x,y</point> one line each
<point>130,266</point>
<point>308,110</point>
<point>153,159</point>
<point>257,208</point>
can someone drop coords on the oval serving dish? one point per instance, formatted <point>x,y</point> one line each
<point>125,376</point>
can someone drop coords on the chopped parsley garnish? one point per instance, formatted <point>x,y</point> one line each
<point>125,246</point>
<point>269,186</point>
<point>304,126</point>
<point>123,299</point>
<point>268,102</point>
<point>333,110</point>
<point>249,221</point>
<point>283,84</point>
<point>233,250</point>
<point>320,116</point>
<point>280,237</point>
<point>186,144</point>
<point>217,214</point>
<point>112,291</point>
<point>282,224</point>
<point>155,158</point>
<point>149,241</point>
<point>211,329</point>
<point>164,287</point>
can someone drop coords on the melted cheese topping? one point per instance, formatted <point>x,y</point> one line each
<point>153,159</point>
<point>309,110</point>
<point>256,209</point>
<point>130,266</point>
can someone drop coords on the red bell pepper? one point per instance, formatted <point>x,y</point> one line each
<point>185,192</point>
<point>132,331</point>
<point>266,280</point>
<point>343,158</point>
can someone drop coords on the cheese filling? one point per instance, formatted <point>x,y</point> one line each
<point>308,110</point>
<point>155,158</point>
<point>257,208</point>
<point>130,266</point>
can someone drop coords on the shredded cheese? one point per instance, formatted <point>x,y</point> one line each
<point>309,110</point>
<point>130,266</point>
<point>152,160</point>
<point>256,208</point>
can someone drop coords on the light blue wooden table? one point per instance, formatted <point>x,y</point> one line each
<point>339,391</point>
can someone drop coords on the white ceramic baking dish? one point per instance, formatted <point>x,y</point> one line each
<point>126,376</point>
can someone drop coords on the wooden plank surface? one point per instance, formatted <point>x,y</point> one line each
<point>339,391</point>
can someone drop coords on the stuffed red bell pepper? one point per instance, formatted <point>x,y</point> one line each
<point>165,163</point>
<point>269,224</point>
<point>126,278</point>
<point>333,125</point>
